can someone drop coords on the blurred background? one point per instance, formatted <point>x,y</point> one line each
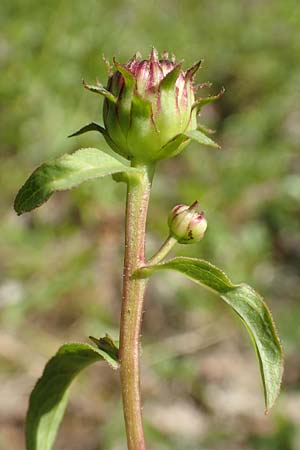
<point>61,265</point>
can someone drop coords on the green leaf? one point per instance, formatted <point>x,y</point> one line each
<point>63,173</point>
<point>49,397</point>
<point>107,345</point>
<point>201,138</point>
<point>249,306</point>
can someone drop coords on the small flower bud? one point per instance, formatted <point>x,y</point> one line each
<point>186,224</point>
<point>150,108</point>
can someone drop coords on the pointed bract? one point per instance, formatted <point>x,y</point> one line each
<point>191,72</point>
<point>107,66</point>
<point>169,81</point>
<point>90,127</point>
<point>99,89</point>
<point>204,101</point>
<point>153,55</point>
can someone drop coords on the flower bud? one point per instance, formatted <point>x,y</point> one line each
<point>186,224</point>
<point>150,109</point>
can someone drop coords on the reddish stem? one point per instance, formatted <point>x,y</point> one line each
<point>138,194</point>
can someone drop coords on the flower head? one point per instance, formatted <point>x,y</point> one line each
<point>186,224</point>
<point>150,107</point>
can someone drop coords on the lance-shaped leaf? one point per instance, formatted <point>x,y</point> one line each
<point>248,305</point>
<point>66,172</point>
<point>49,397</point>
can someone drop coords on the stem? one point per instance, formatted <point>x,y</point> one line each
<point>138,193</point>
<point>163,251</point>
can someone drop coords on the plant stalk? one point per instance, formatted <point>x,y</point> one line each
<point>162,251</point>
<point>138,194</point>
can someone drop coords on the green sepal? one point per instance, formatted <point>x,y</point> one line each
<point>141,108</point>
<point>90,127</point>
<point>201,138</point>
<point>204,129</point>
<point>204,101</point>
<point>99,89</point>
<point>113,128</point>
<point>128,76</point>
<point>66,172</point>
<point>180,141</point>
<point>123,107</point>
<point>168,120</point>
<point>169,81</point>
<point>142,126</point>
<point>249,306</point>
<point>49,397</point>
<point>174,146</point>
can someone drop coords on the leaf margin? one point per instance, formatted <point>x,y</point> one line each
<point>41,190</point>
<point>270,397</point>
<point>37,409</point>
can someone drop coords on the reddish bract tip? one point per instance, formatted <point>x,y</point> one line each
<point>191,72</point>
<point>194,206</point>
<point>107,66</point>
<point>153,55</point>
<point>166,66</point>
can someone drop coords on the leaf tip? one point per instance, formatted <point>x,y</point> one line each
<point>17,205</point>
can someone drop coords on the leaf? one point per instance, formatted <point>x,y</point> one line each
<point>49,397</point>
<point>249,306</point>
<point>90,127</point>
<point>107,345</point>
<point>63,173</point>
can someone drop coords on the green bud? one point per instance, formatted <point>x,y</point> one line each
<point>186,224</point>
<point>149,107</point>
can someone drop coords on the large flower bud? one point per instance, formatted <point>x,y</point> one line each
<point>186,224</point>
<point>150,109</point>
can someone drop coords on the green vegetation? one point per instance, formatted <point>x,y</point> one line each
<point>54,259</point>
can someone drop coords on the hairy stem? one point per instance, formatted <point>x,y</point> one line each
<point>138,193</point>
<point>163,251</point>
